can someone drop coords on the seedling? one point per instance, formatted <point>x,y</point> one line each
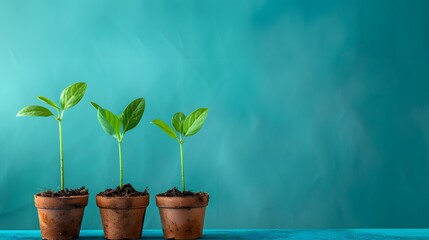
<point>127,120</point>
<point>69,97</point>
<point>185,127</point>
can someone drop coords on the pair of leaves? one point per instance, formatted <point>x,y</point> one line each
<point>187,126</point>
<point>69,97</point>
<point>129,119</point>
<point>176,121</point>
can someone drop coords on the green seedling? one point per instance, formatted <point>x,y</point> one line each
<point>113,124</point>
<point>185,127</point>
<point>69,97</point>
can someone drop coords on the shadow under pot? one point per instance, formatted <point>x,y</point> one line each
<point>60,217</point>
<point>182,217</point>
<point>122,217</point>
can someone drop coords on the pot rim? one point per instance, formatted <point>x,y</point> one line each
<point>71,202</point>
<point>183,202</point>
<point>120,197</point>
<point>61,197</point>
<point>203,193</point>
<point>122,202</point>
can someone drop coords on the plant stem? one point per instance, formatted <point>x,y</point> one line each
<point>60,128</point>
<point>120,164</point>
<point>183,166</point>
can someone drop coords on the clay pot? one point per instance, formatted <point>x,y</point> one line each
<point>182,217</point>
<point>60,217</point>
<point>122,217</point>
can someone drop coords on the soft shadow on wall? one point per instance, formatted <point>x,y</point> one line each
<point>319,112</point>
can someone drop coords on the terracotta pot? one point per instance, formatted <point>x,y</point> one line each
<point>60,217</point>
<point>182,217</point>
<point>122,217</point>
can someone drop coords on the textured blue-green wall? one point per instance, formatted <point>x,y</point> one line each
<point>319,110</point>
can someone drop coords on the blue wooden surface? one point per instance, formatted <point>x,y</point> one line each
<point>256,234</point>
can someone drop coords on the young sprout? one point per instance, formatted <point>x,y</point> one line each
<point>185,127</point>
<point>69,97</point>
<point>112,124</point>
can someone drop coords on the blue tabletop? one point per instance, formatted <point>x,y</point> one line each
<point>255,234</point>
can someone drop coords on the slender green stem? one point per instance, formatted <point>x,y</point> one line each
<point>183,166</point>
<point>60,128</point>
<point>120,164</point>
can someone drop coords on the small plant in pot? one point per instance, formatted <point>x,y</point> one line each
<point>60,213</point>
<point>122,209</point>
<point>182,212</point>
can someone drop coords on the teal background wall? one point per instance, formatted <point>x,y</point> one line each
<point>319,110</point>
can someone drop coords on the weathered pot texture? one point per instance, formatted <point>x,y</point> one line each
<point>60,217</point>
<point>182,217</point>
<point>122,217</point>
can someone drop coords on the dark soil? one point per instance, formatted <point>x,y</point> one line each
<point>126,191</point>
<point>174,192</point>
<point>64,193</point>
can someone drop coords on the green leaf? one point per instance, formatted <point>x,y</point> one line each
<point>35,111</point>
<point>95,105</point>
<point>121,117</point>
<point>49,101</point>
<point>72,94</point>
<point>133,114</point>
<point>167,129</point>
<point>195,121</point>
<point>177,121</point>
<point>109,122</point>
